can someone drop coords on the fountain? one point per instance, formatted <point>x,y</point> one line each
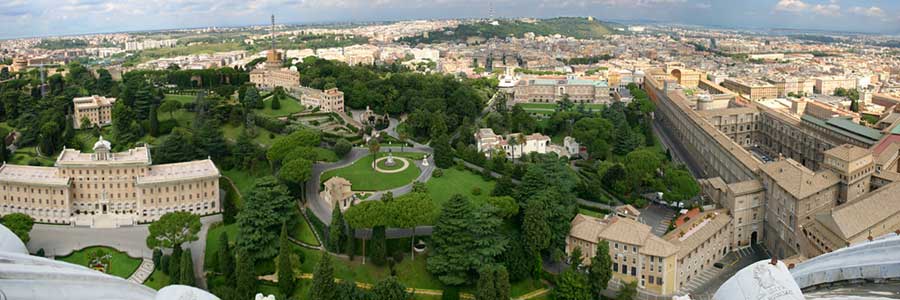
<point>390,159</point>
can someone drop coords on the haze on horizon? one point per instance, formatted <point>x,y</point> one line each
<point>24,18</point>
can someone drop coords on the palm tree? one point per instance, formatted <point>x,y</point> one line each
<point>374,146</point>
<point>513,141</point>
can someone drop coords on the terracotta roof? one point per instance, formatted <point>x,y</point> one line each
<point>852,218</point>
<point>797,180</point>
<point>622,230</point>
<point>690,215</point>
<point>847,152</point>
<point>697,231</point>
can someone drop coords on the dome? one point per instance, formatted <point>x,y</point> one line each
<point>183,292</point>
<point>10,242</point>
<point>102,144</point>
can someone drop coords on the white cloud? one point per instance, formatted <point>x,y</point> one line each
<point>827,9</point>
<point>873,11</point>
<point>791,5</point>
<point>703,5</point>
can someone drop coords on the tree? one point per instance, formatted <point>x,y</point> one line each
<point>337,234</point>
<point>506,206</point>
<point>208,139</point>
<point>174,267</point>
<point>266,207</point>
<point>493,283</point>
<point>295,173</point>
<point>378,246</point>
<point>175,147</point>
<point>285,264</point>
<point>342,147</point>
<point>154,122</point>
<point>173,229</point>
<point>504,187</point>
<point>157,258</point>
<point>443,153</point>
<point>519,260</point>
<point>390,289</point>
<point>348,290</point>
<point>464,238</point>
<point>572,285</point>
<point>601,268</point>
<point>170,107</point>
<point>323,286</point>
<point>251,98</point>
<point>374,147</point>
<point>681,184</point>
<point>276,103</point>
<point>245,285</point>
<point>641,165</point>
<point>187,268</point>
<point>20,224</point>
<point>225,262</point>
<point>535,225</point>
<point>628,291</point>
<point>576,258</point>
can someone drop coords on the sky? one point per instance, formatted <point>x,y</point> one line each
<point>25,18</point>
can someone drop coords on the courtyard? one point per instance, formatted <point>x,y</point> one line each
<point>365,178</point>
<point>104,259</point>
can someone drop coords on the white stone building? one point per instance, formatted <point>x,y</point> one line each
<point>96,109</point>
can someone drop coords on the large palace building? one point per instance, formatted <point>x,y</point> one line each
<point>106,189</point>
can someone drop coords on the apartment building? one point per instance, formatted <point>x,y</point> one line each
<point>827,84</point>
<point>754,90</point>
<point>97,110</point>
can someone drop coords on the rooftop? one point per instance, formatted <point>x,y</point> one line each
<point>179,171</point>
<point>797,180</point>
<point>623,230</point>
<point>31,175</point>
<point>852,218</point>
<point>72,157</point>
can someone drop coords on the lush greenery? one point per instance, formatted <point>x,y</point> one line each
<point>580,28</point>
<point>20,224</point>
<point>365,178</point>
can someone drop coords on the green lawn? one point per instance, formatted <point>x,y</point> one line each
<point>458,182</point>
<point>212,242</point>
<point>181,98</point>
<point>591,213</point>
<point>121,264</point>
<point>551,107</point>
<point>289,106</point>
<point>263,136</point>
<point>243,180</point>
<point>304,233</point>
<point>365,178</point>
<point>23,156</point>
<point>157,280</point>
<point>326,155</point>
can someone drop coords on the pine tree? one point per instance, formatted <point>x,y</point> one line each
<point>336,232</point>
<point>226,259</point>
<point>323,286</point>
<point>464,239</point>
<point>175,264</point>
<point>245,278</point>
<point>154,122</point>
<point>285,265</point>
<point>187,268</point>
<point>601,268</point>
<point>535,226</point>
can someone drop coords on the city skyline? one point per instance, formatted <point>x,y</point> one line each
<point>41,18</point>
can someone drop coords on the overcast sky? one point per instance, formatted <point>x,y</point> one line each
<point>22,18</point>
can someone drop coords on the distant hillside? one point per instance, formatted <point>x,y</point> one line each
<point>580,28</point>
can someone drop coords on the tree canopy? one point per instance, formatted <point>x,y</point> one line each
<point>173,229</point>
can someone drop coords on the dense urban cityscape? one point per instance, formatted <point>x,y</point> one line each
<point>495,157</point>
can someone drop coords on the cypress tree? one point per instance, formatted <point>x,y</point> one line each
<point>378,249</point>
<point>175,264</point>
<point>154,122</point>
<point>501,283</point>
<point>601,268</point>
<point>245,277</point>
<point>336,235</point>
<point>226,259</point>
<point>285,265</point>
<point>276,103</point>
<point>485,289</point>
<point>187,268</point>
<point>323,286</point>
<point>157,259</point>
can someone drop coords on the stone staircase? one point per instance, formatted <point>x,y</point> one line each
<point>143,272</point>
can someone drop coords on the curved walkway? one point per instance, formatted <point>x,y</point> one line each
<point>398,170</point>
<point>323,211</point>
<point>143,271</point>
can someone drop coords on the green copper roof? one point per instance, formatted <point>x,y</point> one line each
<point>845,126</point>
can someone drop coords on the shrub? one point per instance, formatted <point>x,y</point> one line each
<point>438,172</point>
<point>450,293</point>
<point>271,135</point>
<point>398,256</point>
<point>40,252</point>
<point>476,191</point>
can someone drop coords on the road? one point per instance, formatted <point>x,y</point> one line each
<point>679,153</point>
<point>60,240</point>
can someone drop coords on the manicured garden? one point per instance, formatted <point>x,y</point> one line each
<point>213,242</point>
<point>302,232</point>
<point>365,178</point>
<point>289,106</point>
<point>106,259</point>
<point>181,98</point>
<point>456,181</point>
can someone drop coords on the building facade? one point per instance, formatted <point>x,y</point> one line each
<point>330,100</point>
<point>97,110</point>
<point>753,90</point>
<point>125,186</point>
<point>552,90</point>
<point>516,145</point>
